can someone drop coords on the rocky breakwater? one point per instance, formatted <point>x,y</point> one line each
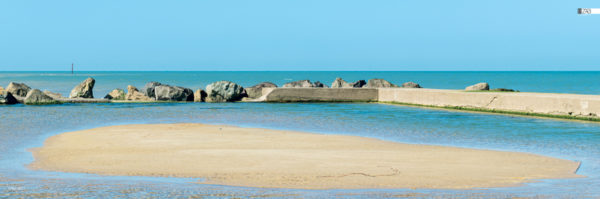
<point>152,91</point>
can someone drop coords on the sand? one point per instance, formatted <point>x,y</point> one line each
<point>255,157</point>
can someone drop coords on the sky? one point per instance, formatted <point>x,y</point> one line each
<point>349,35</point>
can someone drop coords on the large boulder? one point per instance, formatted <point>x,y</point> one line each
<point>478,87</point>
<point>256,90</point>
<point>1,90</point>
<point>134,95</point>
<point>117,94</point>
<point>173,93</point>
<point>53,95</point>
<point>224,91</point>
<point>84,89</point>
<point>299,84</point>
<point>18,89</point>
<point>148,89</point>
<point>7,98</point>
<point>200,95</point>
<point>37,97</point>
<point>410,85</point>
<point>380,83</point>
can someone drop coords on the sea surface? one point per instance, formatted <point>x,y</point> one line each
<point>24,127</point>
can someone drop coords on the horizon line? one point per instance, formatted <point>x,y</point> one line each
<point>301,71</point>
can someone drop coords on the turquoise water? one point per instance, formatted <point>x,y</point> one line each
<point>553,82</point>
<point>23,127</point>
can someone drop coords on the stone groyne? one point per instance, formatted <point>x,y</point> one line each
<point>478,97</point>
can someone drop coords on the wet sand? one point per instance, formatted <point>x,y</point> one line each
<point>255,157</point>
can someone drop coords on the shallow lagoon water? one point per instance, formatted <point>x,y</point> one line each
<point>23,127</point>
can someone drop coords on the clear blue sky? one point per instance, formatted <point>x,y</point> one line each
<point>299,35</point>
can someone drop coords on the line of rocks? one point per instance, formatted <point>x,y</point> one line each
<point>220,91</point>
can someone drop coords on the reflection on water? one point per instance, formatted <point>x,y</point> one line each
<point>23,127</point>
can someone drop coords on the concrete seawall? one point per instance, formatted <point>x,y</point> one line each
<point>322,95</point>
<point>586,107</point>
<point>548,104</point>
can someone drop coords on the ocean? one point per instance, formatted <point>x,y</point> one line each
<point>23,127</point>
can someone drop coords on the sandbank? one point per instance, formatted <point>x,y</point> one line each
<point>254,157</point>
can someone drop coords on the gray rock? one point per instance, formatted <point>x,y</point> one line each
<point>256,90</point>
<point>410,85</point>
<point>7,98</point>
<point>224,91</point>
<point>478,87</point>
<point>37,97</point>
<point>117,94</point>
<point>84,89</point>
<point>148,89</point>
<point>299,84</point>
<point>134,95</point>
<point>200,96</point>
<point>318,84</point>
<point>380,83</point>
<point>173,93</point>
<point>18,89</point>
<point>55,96</point>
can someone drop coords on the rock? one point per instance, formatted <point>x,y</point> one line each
<point>380,83</point>
<point>358,84</point>
<point>84,89</point>
<point>173,93</point>
<point>55,96</point>
<point>478,87</point>
<point>299,84</point>
<point>256,90</point>
<point>2,90</point>
<point>148,89</point>
<point>339,83</point>
<point>134,95</point>
<point>18,89</point>
<point>411,85</point>
<point>200,95</point>
<point>7,98</point>
<point>224,91</point>
<point>37,97</point>
<point>117,94</point>
<point>318,84</point>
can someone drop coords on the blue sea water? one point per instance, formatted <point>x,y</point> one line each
<point>23,127</point>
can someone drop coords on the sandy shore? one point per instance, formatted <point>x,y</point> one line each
<point>284,159</point>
